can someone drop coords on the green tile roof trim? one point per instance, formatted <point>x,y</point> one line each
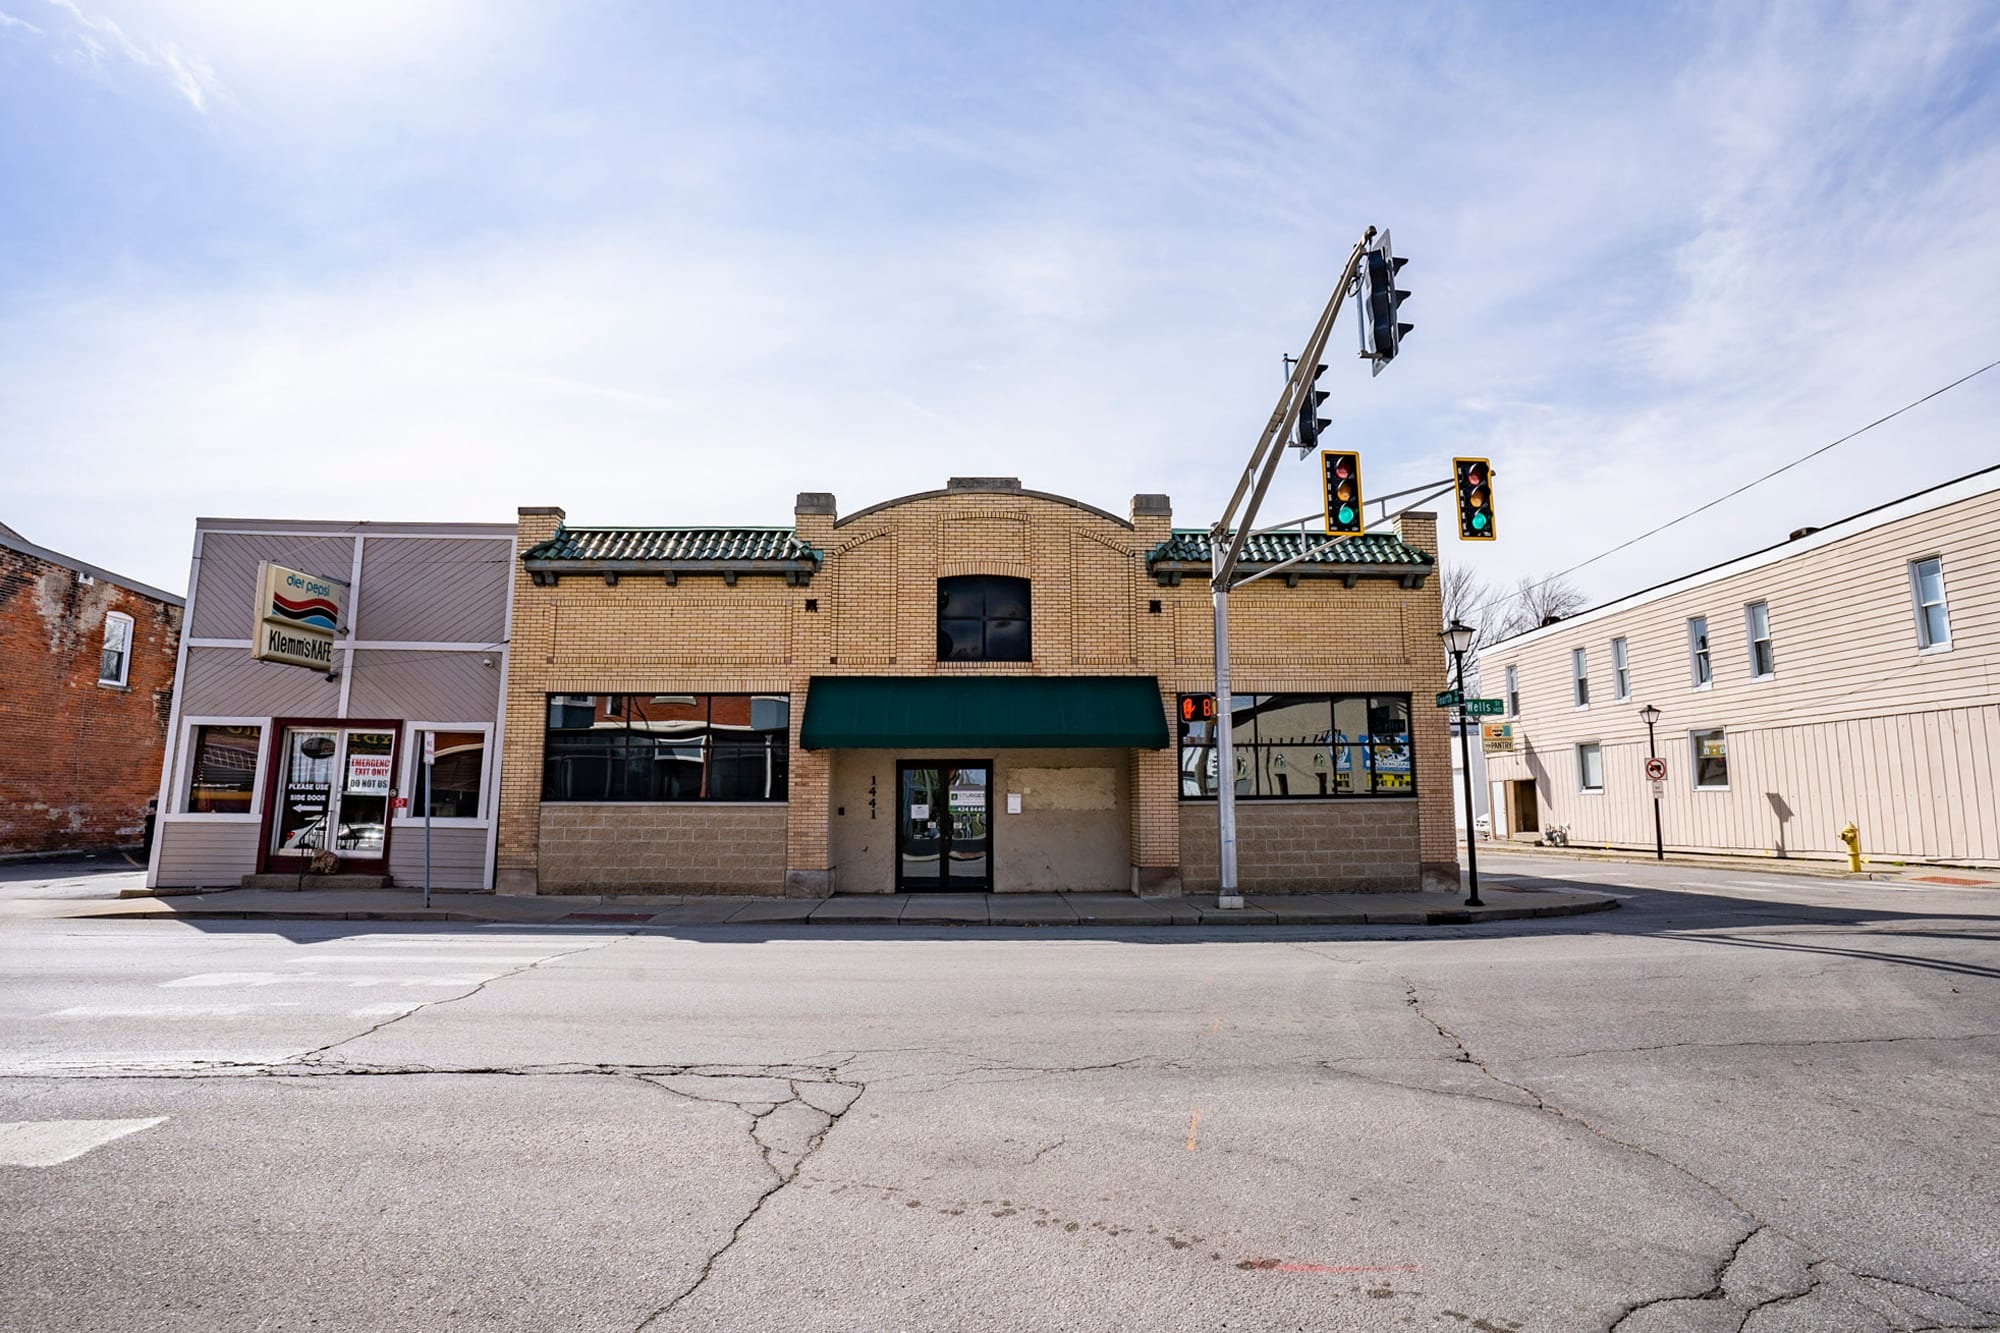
<point>673,545</point>
<point>984,712</point>
<point>1190,545</point>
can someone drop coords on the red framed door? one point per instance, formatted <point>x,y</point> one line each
<point>329,786</point>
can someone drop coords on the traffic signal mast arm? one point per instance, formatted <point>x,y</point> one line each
<point>1437,488</point>
<point>1263,465</point>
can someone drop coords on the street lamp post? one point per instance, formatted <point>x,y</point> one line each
<point>1651,715</point>
<point>1458,638</point>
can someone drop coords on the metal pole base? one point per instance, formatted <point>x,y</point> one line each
<point>1229,901</point>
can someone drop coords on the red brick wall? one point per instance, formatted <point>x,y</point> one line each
<point>78,760</point>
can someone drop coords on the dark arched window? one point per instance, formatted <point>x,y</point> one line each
<point>983,618</point>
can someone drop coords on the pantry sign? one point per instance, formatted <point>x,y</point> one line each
<point>298,615</point>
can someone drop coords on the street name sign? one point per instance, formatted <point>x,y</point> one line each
<point>1484,708</point>
<point>1447,698</point>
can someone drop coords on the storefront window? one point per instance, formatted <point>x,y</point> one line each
<point>222,770</point>
<point>1291,746</point>
<point>454,778</point>
<point>667,747</point>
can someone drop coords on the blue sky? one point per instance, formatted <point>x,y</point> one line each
<point>672,264</point>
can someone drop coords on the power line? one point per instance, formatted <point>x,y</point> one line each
<point>1802,458</point>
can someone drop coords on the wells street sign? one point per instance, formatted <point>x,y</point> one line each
<point>1446,698</point>
<point>1484,708</point>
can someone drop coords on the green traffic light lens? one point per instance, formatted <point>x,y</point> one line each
<point>1346,515</point>
<point>1479,522</point>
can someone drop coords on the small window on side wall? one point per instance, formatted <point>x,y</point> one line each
<point>1590,766</point>
<point>984,618</point>
<point>114,663</point>
<point>1711,760</point>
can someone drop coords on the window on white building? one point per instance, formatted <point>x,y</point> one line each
<point>1711,760</point>
<point>1621,674</point>
<point>1698,668</point>
<point>1757,621</point>
<point>1513,692</point>
<point>1927,592</point>
<point>1579,674</point>
<point>1590,766</point>
<point>114,663</point>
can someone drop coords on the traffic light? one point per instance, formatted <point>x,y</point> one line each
<point>1342,475</point>
<point>1473,478</point>
<point>1381,305</point>
<point>1311,423</point>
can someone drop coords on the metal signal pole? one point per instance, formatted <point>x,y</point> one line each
<point>1236,528</point>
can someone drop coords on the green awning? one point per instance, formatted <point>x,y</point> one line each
<point>984,712</point>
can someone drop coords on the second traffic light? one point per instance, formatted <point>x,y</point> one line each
<point>1473,479</point>
<point>1311,423</point>
<point>1341,473</point>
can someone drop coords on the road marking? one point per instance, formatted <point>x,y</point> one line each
<point>170,1010</point>
<point>48,1142</point>
<point>1194,1128</point>
<point>276,979</point>
<point>379,959</point>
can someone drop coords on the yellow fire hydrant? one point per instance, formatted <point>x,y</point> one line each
<point>1852,837</point>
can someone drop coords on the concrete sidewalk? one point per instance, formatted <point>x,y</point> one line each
<point>917,909</point>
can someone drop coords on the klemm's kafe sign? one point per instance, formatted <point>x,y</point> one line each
<point>297,617</point>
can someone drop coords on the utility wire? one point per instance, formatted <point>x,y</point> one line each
<point>1802,458</point>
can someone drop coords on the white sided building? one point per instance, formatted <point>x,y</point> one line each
<point>1850,674</point>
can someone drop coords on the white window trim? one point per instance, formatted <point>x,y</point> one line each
<point>124,661</point>
<point>1579,682</point>
<point>1695,682</point>
<point>411,781</point>
<point>1694,758</point>
<point>1750,639</point>
<point>1581,789</point>
<point>1917,605</point>
<point>179,790</point>
<point>1621,671</point>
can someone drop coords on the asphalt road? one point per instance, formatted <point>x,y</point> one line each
<point>1742,1101</point>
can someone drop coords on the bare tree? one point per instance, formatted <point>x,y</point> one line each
<point>1470,599</point>
<point>1535,602</point>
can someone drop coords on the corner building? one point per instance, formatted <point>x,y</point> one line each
<point>980,688</point>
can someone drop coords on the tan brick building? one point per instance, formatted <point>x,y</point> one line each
<point>980,688</point>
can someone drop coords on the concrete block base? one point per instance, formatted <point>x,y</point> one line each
<point>808,883</point>
<point>1156,881</point>
<point>516,883</point>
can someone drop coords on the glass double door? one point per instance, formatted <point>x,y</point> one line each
<point>944,826</point>
<point>334,786</point>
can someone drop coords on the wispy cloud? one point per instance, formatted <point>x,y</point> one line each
<point>9,21</point>
<point>100,38</point>
<point>665,272</point>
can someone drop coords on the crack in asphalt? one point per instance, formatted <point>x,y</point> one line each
<point>1771,1042</point>
<point>783,1163</point>
<point>309,1056</point>
<point>1718,1289</point>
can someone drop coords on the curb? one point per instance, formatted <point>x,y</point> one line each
<point>1452,917</point>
